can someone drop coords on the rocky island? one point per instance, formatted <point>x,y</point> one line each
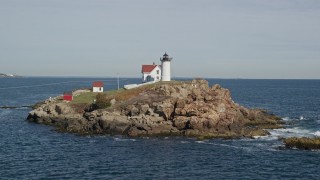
<point>175,108</point>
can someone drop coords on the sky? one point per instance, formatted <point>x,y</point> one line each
<point>259,39</point>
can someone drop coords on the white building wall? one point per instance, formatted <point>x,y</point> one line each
<point>155,74</point>
<point>97,89</point>
<point>166,76</point>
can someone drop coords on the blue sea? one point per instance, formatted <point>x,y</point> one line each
<point>33,151</point>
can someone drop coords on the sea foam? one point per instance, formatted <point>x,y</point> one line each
<point>317,133</point>
<point>290,132</point>
<point>286,119</point>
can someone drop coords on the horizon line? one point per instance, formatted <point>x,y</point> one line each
<point>175,77</point>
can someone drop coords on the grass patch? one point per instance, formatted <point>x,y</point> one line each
<point>102,101</point>
<point>123,95</point>
<point>88,97</point>
<point>84,98</point>
<point>119,95</point>
<point>128,94</point>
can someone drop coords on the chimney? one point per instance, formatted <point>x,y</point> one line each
<point>154,63</point>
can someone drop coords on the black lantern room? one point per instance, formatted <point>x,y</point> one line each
<point>165,57</point>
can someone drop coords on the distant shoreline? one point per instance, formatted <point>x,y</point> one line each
<point>179,78</point>
<point>3,75</point>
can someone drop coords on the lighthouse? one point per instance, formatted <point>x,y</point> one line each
<point>165,67</point>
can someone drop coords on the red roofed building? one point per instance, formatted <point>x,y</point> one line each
<point>97,86</point>
<point>151,73</point>
<point>68,96</point>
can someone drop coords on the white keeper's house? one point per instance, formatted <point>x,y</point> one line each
<point>151,73</point>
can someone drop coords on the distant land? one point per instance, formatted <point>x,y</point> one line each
<point>2,75</point>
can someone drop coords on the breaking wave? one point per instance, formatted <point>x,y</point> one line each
<point>123,139</point>
<point>290,132</point>
<point>286,119</point>
<point>317,133</point>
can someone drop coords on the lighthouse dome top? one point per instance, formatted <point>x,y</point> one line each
<point>165,57</point>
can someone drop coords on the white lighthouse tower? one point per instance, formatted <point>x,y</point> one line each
<point>165,67</point>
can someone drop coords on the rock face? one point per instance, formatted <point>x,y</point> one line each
<point>304,143</point>
<point>181,108</point>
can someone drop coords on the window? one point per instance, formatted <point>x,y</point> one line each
<point>158,71</point>
<point>158,77</point>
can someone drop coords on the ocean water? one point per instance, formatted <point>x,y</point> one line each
<point>33,151</point>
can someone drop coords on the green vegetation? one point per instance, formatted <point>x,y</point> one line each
<point>87,98</point>
<point>265,124</point>
<point>123,95</point>
<point>84,98</point>
<point>128,94</point>
<point>102,101</point>
<point>303,143</point>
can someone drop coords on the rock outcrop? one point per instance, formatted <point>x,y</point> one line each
<point>174,108</point>
<point>304,143</point>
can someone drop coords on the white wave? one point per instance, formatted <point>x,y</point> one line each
<point>286,119</point>
<point>300,118</point>
<point>123,139</point>
<point>317,133</point>
<point>184,142</point>
<point>294,119</point>
<point>290,132</point>
<point>203,142</point>
<point>266,138</point>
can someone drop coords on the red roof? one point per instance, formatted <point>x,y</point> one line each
<point>67,96</point>
<point>148,68</point>
<point>97,84</point>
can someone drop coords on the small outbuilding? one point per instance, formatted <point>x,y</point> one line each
<point>97,86</point>
<point>67,96</point>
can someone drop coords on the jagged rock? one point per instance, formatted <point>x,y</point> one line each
<point>208,98</point>
<point>90,115</point>
<point>144,109</point>
<point>150,112</point>
<point>62,108</point>
<point>134,111</point>
<point>181,122</point>
<point>216,87</point>
<point>113,102</point>
<point>114,124</point>
<point>305,143</point>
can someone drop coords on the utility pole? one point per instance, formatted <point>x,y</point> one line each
<point>118,80</point>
